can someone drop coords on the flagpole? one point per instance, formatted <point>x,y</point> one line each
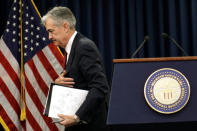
<point>23,112</point>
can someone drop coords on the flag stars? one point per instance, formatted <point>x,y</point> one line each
<point>37,36</point>
<point>32,34</point>
<point>26,22</point>
<point>14,9</point>
<point>14,32</point>
<point>13,40</point>
<point>37,44</point>
<point>43,38</point>
<point>26,38</point>
<point>32,18</point>
<point>7,30</point>
<point>26,30</point>
<point>25,34</point>
<point>38,28</point>
<point>25,46</point>
<point>14,24</point>
<point>14,17</point>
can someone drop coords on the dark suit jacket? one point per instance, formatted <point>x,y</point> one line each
<point>85,65</point>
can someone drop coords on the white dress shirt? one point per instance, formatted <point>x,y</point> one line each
<point>69,45</point>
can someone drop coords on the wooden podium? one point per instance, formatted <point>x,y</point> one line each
<point>127,102</point>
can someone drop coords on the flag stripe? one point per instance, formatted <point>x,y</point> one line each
<point>8,54</point>
<point>30,76</point>
<point>37,90</point>
<point>28,125</point>
<point>33,82</point>
<point>37,102</point>
<point>3,112</point>
<point>10,98</point>
<point>7,119</point>
<point>53,59</point>
<point>47,65</point>
<point>34,95</point>
<point>9,86</point>
<point>12,74</point>
<point>45,76</point>
<point>33,120</point>
<point>57,54</point>
<point>9,110</point>
<point>38,78</point>
<point>9,83</point>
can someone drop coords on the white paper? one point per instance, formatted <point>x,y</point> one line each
<point>65,100</point>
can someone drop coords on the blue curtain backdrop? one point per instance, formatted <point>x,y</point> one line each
<point>119,26</point>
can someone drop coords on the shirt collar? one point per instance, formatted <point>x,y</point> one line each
<point>69,45</point>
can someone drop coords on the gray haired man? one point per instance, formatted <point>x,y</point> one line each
<point>84,70</point>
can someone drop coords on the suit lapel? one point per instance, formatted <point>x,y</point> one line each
<point>72,52</point>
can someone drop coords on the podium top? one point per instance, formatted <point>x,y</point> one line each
<point>185,58</point>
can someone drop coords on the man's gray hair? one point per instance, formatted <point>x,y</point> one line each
<point>59,15</point>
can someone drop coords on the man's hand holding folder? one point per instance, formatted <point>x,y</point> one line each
<point>63,102</point>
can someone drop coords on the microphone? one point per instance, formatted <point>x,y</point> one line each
<point>165,35</point>
<point>146,38</point>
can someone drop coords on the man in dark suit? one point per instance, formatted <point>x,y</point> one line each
<point>83,70</point>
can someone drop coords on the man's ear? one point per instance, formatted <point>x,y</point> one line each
<point>66,26</point>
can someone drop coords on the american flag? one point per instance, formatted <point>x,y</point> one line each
<point>42,64</point>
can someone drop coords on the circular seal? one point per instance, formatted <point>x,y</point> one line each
<point>167,90</point>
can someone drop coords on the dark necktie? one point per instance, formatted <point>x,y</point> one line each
<point>65,59</point>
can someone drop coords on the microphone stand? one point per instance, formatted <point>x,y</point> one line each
<point>146,38</point>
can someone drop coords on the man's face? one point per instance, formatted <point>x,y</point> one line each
<point>56,33</point>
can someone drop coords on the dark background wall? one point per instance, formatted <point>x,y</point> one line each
<point>119,26</point>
